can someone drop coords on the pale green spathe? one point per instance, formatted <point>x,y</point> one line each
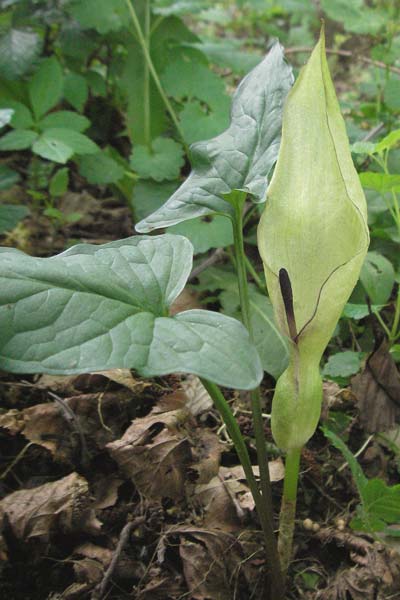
<point>314,226</point>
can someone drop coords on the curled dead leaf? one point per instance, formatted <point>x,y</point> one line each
<point>61,506</point>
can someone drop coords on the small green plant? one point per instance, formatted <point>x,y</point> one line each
<point>380,503</point>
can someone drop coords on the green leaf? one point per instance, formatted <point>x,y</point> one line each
<point>359,311</point>
<point>59,182</point>
<point>241,157</point>
<point>342,364</point>
<point>389,141</point>
<point>377,277</point>
<point>46,86</point>
<point>196,123</point>
<point>363,148</point>
<point>171,33</point>
<point>229,54</point>
<point>103,307</point>
<point>215,232</point>
<point>52,149</point>
<point>163,161</point>
<point>380,182</point>
<point>178,7</point>
<point>5,116</point>
<point>356,471</point>
<point>22,117</point>
<point>102,15</point>
<point>355,15</point>
<point>66,119</point>
<point>382,501</point>
<point>187,79</point>
<point>76,90</point>
<point>391,94</point>
<point>59,144</point>
<point>20,139</point>
<point>8,177</point>
<point>11,215</point>
<point>19,49</point>
<point>100,169</point>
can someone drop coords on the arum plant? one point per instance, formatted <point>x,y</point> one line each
<point>226,170</point>
<point>313,238</point>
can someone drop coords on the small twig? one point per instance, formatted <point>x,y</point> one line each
<point>374,131</point>
<point>214,257</point>
<point>71,418</point>
<point>99,591</point>
<point>346,54</point>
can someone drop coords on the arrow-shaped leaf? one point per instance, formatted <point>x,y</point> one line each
<point>94,308</point>
<point>242,156</point>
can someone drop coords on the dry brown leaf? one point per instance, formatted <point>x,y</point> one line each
<point>209,558</point>
<point>155,452</point>
<point>207,449</point>
<point>124,377</point>
<point>276,470</point>
<point>105,492</point>
<point>187,300</point>
<point>47,425</point>
<point>378,391</point>
<point>198,399</point>
<point>59,506</point>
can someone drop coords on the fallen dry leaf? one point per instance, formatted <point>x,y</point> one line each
<point>378,391</point>
<point>155,453</point>
<point>198,399</point>
<point>61,506</point>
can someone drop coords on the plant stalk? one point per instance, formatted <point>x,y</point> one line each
<point>146,94</point>
<point>261,506</point>
<point>153,72</point>
<point>255,396</point>
<point>288,508</point>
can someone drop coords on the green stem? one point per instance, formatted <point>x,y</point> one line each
<point>396,320</point>
<point>154,73</point>
<point>255,276</point>
<point>238,200</point>
<point>146,95</point>
<point>288,508</point>
<point>262,509</point>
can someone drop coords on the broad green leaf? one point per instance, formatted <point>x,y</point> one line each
<point>102,15</point>
<point>19,139</point>
<point>241,157</point>
<point>5,116</point>
<point>163,160</point>
<point>76,90</point>
<point>8,177</point>
<point>65,119</point>
<point>19,49</point>
<point>52,149</point>
<point>178,7</point>
<point>313,237</point>
<point>46,86</point>
<point>342,364</point>
<point>380,182</point>
<point>59,182</point>
<point>377,277</point>
<point>212,232</point>
<point>103,307</point>
<point>11,215</point>
<point>382,501</point>
<point>22,117</point>
<point>389,141</point>
<point>100,169</point>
